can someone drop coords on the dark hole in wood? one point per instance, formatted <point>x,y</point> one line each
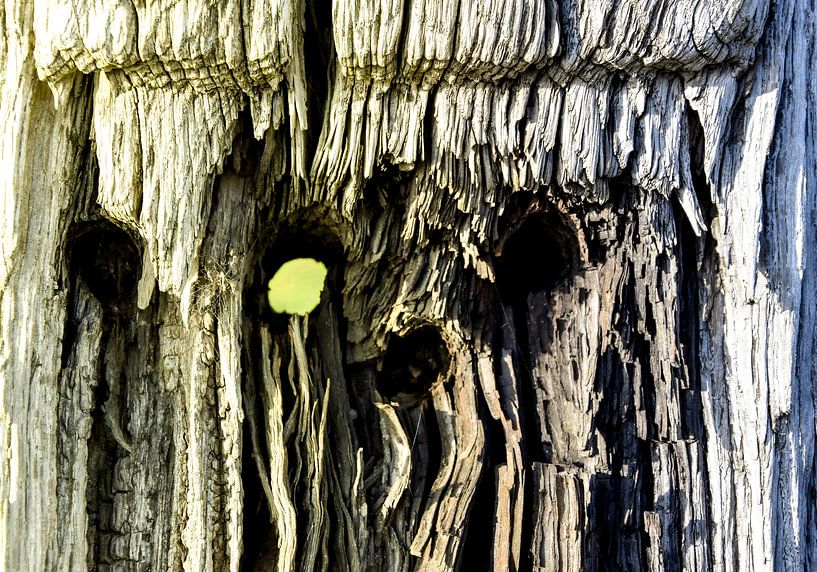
<point>536,257</point>
<point>306,239</point>
<point>386,188</point>
<point>106,259</point>
<point>413,364</point>
<point>247,150</point>
<point>308,234</point>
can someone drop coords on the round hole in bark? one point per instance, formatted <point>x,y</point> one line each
<point>413,364</point>
<point>106,259</point>
<point>536,257</point>
<point>386,188</point>
<point>307,236</point>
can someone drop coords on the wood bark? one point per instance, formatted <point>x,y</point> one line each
<point>570,316</point>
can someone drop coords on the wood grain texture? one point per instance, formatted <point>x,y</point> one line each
<point>599,215</point>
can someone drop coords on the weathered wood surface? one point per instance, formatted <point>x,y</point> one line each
<point>594,223</point>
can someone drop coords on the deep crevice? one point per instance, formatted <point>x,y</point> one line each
<point>689,331</point>
<point>319,64</point>
<point>259,539</point>
<point>103,260</point>
<point>646,495</point>
<point>479,538</point>
<point>69,335</point>
<point>246,153</point>
<point>103,454</point>
<point>537,254</point>
<point>691,252</point>
<point>99,490</point>
<point>431,440</point>
<point>533,443</point>
<point>697,150</point>
<point>616,492</point>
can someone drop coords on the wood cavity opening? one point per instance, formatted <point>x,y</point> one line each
<point>247,151</point>
<point>106,258</point>
<point>308,233</point>
<point>413,364</point>
<point>309,236</point>
<point>536,256</point>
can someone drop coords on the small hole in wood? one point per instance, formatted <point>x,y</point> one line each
<point>247,151</point>
<point>106,259</point>
<point>305,237</point>
<point>536,257</point>
<point>413,364</point>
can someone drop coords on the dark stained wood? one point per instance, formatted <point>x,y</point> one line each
<point>569,321</point>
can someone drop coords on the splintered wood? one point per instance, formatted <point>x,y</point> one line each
<point>648,403</point>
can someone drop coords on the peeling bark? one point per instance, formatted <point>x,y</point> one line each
<point>569,321</point>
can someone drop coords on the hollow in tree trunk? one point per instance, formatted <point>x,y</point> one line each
<point>569,317</point>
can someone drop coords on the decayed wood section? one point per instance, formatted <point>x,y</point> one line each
<point>570,316</point>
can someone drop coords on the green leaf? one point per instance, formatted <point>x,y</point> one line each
<point>296,287</point>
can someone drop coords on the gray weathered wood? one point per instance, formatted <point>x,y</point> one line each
<point>600,219</point>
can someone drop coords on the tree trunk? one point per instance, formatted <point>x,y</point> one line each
<point>569,322</point>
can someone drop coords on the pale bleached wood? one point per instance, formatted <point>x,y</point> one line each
<point>652,409</point>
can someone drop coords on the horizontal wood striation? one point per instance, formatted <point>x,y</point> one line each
<point>604,212</point>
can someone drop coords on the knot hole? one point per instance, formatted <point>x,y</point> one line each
<point>413,364</point>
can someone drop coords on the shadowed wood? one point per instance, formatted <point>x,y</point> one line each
<point>569,315</point>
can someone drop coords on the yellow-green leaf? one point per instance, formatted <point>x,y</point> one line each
<point>296,287</point>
